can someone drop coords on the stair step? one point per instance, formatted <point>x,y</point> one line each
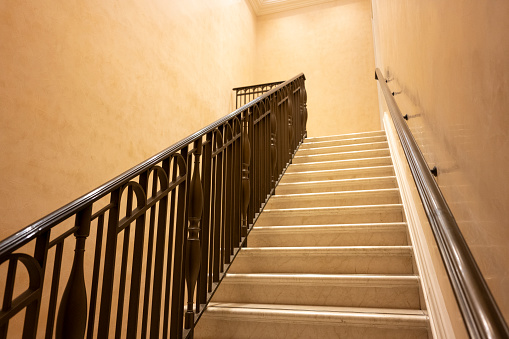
<point>379,234</point>
<point>370,153</point>
<point>342,173</point>
<point>339,164</point>
<point>342,148</point>
<point>345,136</point>
<point>356,184</point>
<point>230,320</point>
<point>331,199</point>
<point>354,290</point>
<point>349,141</point>
<point>331,215</point>
<point>325,260</point>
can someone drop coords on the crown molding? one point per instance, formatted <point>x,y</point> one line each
<point>264,7</point>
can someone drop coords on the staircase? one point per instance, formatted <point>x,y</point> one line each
<point>329,256</point>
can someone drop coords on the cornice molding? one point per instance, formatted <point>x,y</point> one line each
<point>264,7</point>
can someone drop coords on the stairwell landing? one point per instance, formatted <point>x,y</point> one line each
<point>330,256</point>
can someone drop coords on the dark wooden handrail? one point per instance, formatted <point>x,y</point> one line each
<point>20,238</point>
<point>181,216</point>
<point>480,312</point>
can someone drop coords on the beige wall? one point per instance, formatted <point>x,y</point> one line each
<point>332,44</point>
<point>89,89</point>
<point>450,60</point>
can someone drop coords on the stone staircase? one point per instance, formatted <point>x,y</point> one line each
<point>329,257</point>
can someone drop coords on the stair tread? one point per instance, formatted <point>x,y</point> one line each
<point>366,280</point>
<point>318,194</point>
<point>362,315</point>
<point>303,209</point>
<point>320,250</point>
<point>330,227</point>
<point>341,153</point>
<point>391,177</point>
<point>325,148</point>
<point>339,170</point>
<point>339,161</point>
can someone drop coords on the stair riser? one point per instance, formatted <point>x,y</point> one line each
<point>344,148</point>
<point>326,217</point>
<point>331,165</point>
<point>344,142</point>
<point>336,186</point>
<point>341,156</point>
<point>353,173</point>
<point>333,200</point>
<point>327,238</point>
<point>323,264</point>
<point>319,295</point>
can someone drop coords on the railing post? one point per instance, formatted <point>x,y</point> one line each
<point>304,109</point>
<point>72,315</point>
<point>193,248</point>
<point>273,147</point>
<point>290,124</point>
<point>246,159</point>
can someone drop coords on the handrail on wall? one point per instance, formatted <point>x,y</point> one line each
<point>480,312</point>
<point>175,221</point>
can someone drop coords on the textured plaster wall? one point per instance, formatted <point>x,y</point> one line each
<point>450,61</point>
<point>89,89</point>
<point>332,44</point>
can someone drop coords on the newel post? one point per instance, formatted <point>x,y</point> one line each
<point>246,159</point>
<point>193,248</point>
<point>72,315</point>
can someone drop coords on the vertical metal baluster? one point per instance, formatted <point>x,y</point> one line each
<point>193,248</point>
<point>109,266</point>
<point>123,266</point>
<point>50,322</point>
<point>304,107</point>
<point>95,276</point>
<point>178,281</point>
<point>72,315</point>
<point>246,158</point>
<point>273,147</point>
<point>206,233</point>
<point>169,249</point>
<point>227,195</point>
<point>148,268</point>
<point>218,207</point>
<point>8,293</point>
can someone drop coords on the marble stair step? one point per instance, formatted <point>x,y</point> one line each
<point>347,290</point>
<point>325,260</point>
<point>341,142</point>
<point>375,234</point>
<point>339,164</point>
<point>332,199</point>
<point>345,136</point>
<point>342,148</point>
<point>242,321</point>
<point>355,184</point>
<point>370,153</point>
<point>342,173</point>
<point>331,215</point>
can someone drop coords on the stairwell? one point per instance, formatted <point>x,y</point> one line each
<point>330,256</point>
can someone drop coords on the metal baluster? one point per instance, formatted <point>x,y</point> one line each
<point>273,148</point>
<point>72,315</point>
<point>193,249</point>
<point>246,158</point>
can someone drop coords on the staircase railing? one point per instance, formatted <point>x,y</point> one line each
<point>480,312</point>
<point>156,238</point>
<point>245,94</point>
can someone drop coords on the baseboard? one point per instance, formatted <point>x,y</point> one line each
<point>440,321</point>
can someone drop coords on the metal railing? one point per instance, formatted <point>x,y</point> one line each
<point>480,312</point>
<point>159,236</point>
<point>245,94</point>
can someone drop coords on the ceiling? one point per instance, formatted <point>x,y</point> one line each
<point>263,7</point>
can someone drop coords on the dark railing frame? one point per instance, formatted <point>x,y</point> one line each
<point>238,161</point>
<point>245,94</point>
<point>480,312</point>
